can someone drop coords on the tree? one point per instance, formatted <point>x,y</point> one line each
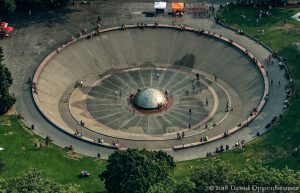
<point>6,100</point>
<point>185,186</point>
<point>34,182</point>
<point>267,177</point>
<point>214,173</point>
<point>166,186</point>
<point>160,188</point>
<point>170,186</point>
<point>220,174</point>
<point>135,171</point>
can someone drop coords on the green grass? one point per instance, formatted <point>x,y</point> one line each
<point>277,35</point>
<point>273,149</point>
<point>20,155</point>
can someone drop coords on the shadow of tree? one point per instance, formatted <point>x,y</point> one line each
<point>20,18</point>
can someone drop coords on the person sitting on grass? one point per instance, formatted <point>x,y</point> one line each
<point>85,173</point>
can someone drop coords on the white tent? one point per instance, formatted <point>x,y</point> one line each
<point>160,5</point>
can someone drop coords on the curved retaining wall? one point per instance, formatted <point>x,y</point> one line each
<point>207,33</point>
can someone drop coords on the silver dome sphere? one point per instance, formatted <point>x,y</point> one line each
<point>150,98</point>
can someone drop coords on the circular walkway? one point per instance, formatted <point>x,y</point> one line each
<point>16,52</point>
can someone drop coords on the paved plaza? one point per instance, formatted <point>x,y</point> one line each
<point>118,64</point>
<point>116,111</point>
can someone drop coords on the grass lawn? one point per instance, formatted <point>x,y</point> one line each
<point>20,155</point>
<point>273,149</point>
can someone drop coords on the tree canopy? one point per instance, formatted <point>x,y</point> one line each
<point>221,174</point>
<point>6,100</point>
<point>135,171</point>
<point>183,186</point>
<point>216,173</point>
<point>142,171</point>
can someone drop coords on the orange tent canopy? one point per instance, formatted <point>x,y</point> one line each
<point>178,6</point>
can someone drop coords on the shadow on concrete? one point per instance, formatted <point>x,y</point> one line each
<point>49,18</point>
<point>187,61</point>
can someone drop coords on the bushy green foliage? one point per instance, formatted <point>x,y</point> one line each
<point>185,186</point>
<point>215,173</point>
<point>265,176</point>
<point>6,100</point>
<point>166,186</point>
<point>34,182</point>
<point>141,171</point>
<point>135,171</point>
<point>159,188</point>
<point>171,186</point>
<point>221,174</point>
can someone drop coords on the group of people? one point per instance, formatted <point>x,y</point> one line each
<point>182,27</point>
<point>123,27</point>
<point>118,93</point>
<point>77,133</point>
<point>116,144</point>
<point>84,173</point>
<point>81,123</point>
<point>34,87</point>
<point>226,133</point>
<point>268,125</point>
<point>221,148</point>
<point>78,84</point>
<point>241,144</point>
<point>187,92</point>
<point>180,136</point>
<point>113,143</point>
<point>270,59</point>
<point>99,140</point>
<point>254,111</point>
<point>203,139</point>
<point>141,25</point>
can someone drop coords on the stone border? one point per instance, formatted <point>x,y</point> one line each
<point>123,27</point>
